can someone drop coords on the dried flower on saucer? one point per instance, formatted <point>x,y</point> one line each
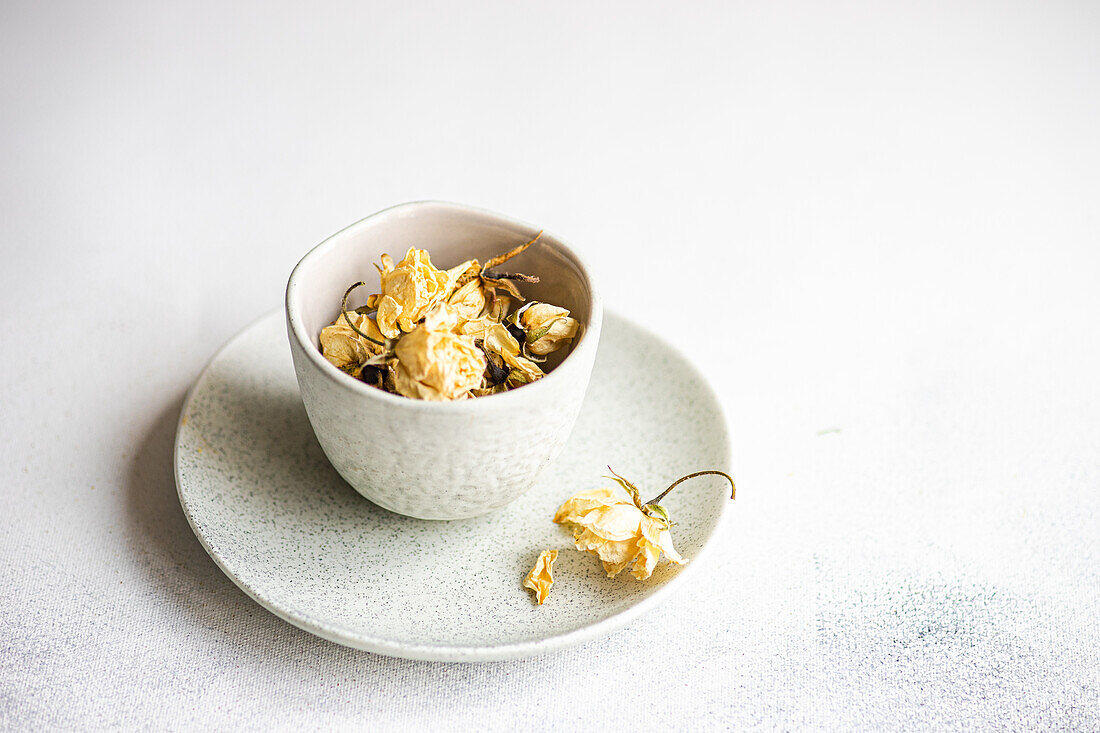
<point>540,578</point>
<point>614,524</point>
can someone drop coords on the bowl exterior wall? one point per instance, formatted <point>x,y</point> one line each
<point>436,460</point>
<point>449,465</point>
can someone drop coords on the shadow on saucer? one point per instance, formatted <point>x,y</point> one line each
<point>177,566</point>
<point>220,618</point>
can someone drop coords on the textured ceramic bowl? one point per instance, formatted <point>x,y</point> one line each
<point>439,460</point>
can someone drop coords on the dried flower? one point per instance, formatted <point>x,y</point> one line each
<point>547,327</point>
<point>409,290</point>
<point>493,280</point>
<point>434,363</point>
<point>346,349</point>
<point>522,369</point>
<point>541,578</point>
<point>469,300</point>
<point>613,524</point>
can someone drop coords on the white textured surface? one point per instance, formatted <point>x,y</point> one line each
<point>891,208</point>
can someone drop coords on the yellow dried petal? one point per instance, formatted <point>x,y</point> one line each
<point>584,502</point>
<point>541,577</point>
<point>617,522</point>
<point>469,300</point>
<point>656,532</point>
<point>612,551</point>
<point>607,523</point>
<point>443,318</point>
<point>551,324</point>
<point>499,305</point>
<point>408,291</point>
<point>344,347</point>
<point>388,312</point>
<point>614,568</point>
<point>436,364</point>
<point>523,370</point>
<point>646,561</point>
<point>460,275</point>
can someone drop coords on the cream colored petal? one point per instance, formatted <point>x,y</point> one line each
<point>607,550</point>
<point>468,300</point>
<point>657,533</point>
<point>584,502</point>
<point>665,543</point>
<point>616,523</point>
<point>414,286</point>
<point>478,327</point>
<point>561,333</point>
<point>343,347</point>
<point>539,315</point>
<point>410,387</point>
<point>646,560</point>
<point>613,569</point>
<point>388,312</point>
<point>498,307</point>
<point>541,577</point>
<point>498,340</point>
<point>448,364</point>
<point>367,326</point>
<point>339,348</point>
<point>443,317</point>
<point>524,371</point>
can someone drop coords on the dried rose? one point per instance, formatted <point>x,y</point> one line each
<point>613,524</point>
<point>408,291</point>
<point>469,300</point>
<point>434,363</point>
<point>615,529</point>
<point>345,348</point>
<point>547,327</point>
<point>541,578</point>
<point>521,369</point>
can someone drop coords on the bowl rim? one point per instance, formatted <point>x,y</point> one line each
<point>588,343</point>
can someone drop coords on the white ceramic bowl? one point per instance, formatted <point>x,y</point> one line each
<point>439,460</point>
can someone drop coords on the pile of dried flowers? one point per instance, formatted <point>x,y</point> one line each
<point>443,335</point>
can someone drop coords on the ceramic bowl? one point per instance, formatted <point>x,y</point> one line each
<point>439,460</point>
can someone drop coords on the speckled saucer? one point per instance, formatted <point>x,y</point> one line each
<point>279,520</point>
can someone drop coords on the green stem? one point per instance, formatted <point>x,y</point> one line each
<point>679,481</point>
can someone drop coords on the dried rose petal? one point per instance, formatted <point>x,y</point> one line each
<point>540,578</point>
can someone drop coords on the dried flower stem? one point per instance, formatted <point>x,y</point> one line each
<point>519,276</point>
<point>679,481</point>
<point>344,313</point>
<point>501,259</point>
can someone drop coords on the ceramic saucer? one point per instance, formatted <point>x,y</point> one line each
<point>281,523</point>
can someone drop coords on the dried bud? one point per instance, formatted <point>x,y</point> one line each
<point>546,327</point>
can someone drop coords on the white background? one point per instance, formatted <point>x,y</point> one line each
<point>873,225</point>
